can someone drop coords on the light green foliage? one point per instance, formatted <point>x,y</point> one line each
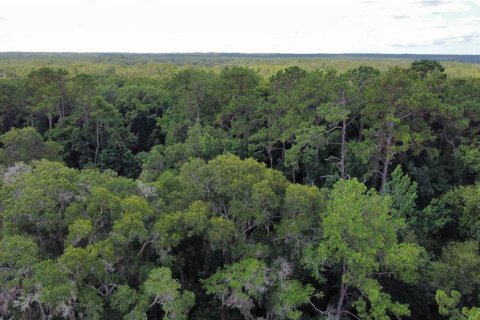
<point>129,227</point>
<point>470,219</point>
<point>360,237</point>
<point>447,306</point>
<point>90,305</point>
<point>220,232</point>
<point>469,157</point>
<point>177,192</point>
<point>201,143</point>
<point>103,204</point>
<point>169,235</point>
<point>40,205</point>
<point>82,263</point>
<point>36,201</point>
<point>379,303</point>
<point>17,256</point>
<point>403,260</point>
<point>108,179</point>
<point>17,252</point>
<point>80,229</point>
<point>195,218</point>
<point>472,313</point>
<point>243,191</point>
<point>178,309</point>
<point>166,291</point>
<point>249,283</point>
<point>403,193</point>
<point>50,287</point>
<point>302,205</point>
<point>161,286</point>
<point>288,296</point>
<point>447,302</point>
<point>171,228</point>
<point>239,285</point>
<point>137,204</point>
<point>123,298</point>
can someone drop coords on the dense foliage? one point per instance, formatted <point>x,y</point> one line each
<point>228,195</point>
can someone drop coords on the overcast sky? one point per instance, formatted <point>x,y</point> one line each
<point>331,26</point>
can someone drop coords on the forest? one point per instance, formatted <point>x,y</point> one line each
<point>160,191</point>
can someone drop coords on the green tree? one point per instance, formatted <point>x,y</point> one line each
<point>49,290</point>
<point>12,104</point>
<point>447,306</point>
<point>359,242</point>
<point>396,117</point>
<point>458,268</point>
<point>47,88</point>
<point>403,192</point>
<point>239,286</point>
<point>165,291</point>
<point>26,145</point>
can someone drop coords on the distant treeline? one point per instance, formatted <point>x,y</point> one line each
<point>222,56</point>
<point>141,64</point>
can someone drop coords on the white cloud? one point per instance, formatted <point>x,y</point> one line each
<point>445,6</point>
<point>236,26</point>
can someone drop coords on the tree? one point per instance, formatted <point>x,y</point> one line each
<point>249,283</point>
<point>140,104</point>
<point>288,296</point>
<point>339,113</point>
<point>50,291</point>
<point>12,104</point>
<point>458,268</point>
<point>26,145</point>
<point>299,224</point>
<point>397,116</point>
<point>39,208</point>
<point>359,242</point>
<point>425,67</point>
<point>192,97</point>
<point>403,192</point>
<point>17,256</point>
<point>239,286</point>
<point>447,306</point>
<point>273,135</point>
<point>453,216</point>
<point>84,92</point>
<point>47,88</point>
<point>165,292</point>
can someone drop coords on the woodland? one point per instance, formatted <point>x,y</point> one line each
<point>323,189</point>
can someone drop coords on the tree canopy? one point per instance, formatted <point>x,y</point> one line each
<point>219,193</point>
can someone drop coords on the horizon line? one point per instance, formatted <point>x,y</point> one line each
<point>238,53</point>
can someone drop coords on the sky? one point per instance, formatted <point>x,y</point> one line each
<point>247,26</point>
